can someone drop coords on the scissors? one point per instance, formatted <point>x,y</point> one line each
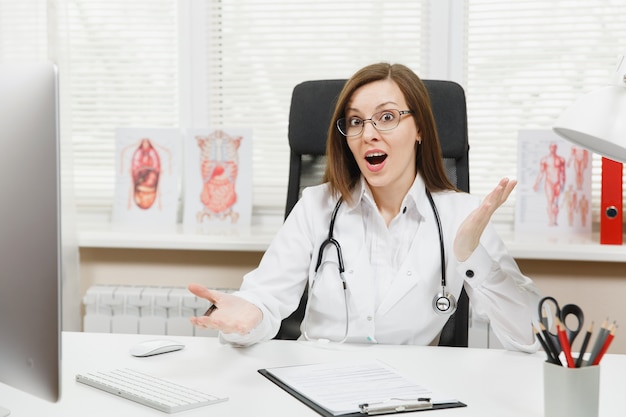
<point>562,314</point>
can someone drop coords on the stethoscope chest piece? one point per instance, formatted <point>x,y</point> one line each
<point>444,303</point>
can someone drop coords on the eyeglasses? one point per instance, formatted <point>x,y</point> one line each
<point>382,121</point>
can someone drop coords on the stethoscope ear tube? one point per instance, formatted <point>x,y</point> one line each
<point>320,255</point>
<point>331,241</point>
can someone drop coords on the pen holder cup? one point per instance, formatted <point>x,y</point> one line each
<point>571,392</point>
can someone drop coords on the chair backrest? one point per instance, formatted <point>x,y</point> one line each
<point>312,106</point>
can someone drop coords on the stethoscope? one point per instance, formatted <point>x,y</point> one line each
<point>444,303</point>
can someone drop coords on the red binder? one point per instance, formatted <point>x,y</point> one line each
<point>611,232</point>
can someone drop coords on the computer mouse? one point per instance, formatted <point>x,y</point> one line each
<point>155,347</point>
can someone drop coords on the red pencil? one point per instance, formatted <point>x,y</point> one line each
<point>565,346</point>
<point>605,346</point>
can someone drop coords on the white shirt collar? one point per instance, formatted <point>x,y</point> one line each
<point>415,197</point>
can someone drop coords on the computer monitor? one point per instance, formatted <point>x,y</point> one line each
<point>30,232</point>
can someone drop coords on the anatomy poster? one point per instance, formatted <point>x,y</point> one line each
<point>553,194</point>
<point>218,178</point>
<point>146,185</point>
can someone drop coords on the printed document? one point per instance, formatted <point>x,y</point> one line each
<point>341,387</point>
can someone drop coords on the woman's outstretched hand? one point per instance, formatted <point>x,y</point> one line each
<point>232,314</point>
<point>470,231</point>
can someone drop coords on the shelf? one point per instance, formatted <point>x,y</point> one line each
<point>244,239</point>
<point>257,238</point>
<point>581,249</point>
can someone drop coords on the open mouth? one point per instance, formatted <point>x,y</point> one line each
<point>376,158</point>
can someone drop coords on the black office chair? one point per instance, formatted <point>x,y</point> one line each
<point>312,106</point>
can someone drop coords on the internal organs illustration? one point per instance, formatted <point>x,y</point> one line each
<point>219,164</point>
<point>145,170</point>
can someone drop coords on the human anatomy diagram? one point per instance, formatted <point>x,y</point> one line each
<point>554,185</point>
<point>552,173</point>
<point>579,159</point>
<point>145,172</point>
<point>219,167</point>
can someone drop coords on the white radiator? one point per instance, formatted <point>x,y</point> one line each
<point>166,311</point>
<point>143,310</point>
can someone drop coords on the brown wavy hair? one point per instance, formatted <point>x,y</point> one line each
<point>342,172</point>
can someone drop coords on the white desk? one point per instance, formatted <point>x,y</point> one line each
<point>491,382</point>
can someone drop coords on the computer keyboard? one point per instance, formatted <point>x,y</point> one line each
<point>148,390</point>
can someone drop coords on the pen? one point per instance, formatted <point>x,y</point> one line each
<point>545,347</point>
<point>605,346</point>
<point>565,346</point>
<point>210,310</point>
<point>579,361</point>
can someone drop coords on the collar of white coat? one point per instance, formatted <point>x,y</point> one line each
<point>415,197</point>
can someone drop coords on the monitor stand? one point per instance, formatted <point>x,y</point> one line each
<point>4,412</point>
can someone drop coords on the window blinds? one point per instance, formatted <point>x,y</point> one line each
<point>124,66</point>
<point>23,31</point>
<point>523,63</point>
<point>526,62</point>
<point>258,52</point>
<point>121,69</point>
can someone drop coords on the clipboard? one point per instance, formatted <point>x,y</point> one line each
<point>375,408</point>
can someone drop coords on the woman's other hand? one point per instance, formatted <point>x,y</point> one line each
<point>468,235</point>
<point>232,314</point>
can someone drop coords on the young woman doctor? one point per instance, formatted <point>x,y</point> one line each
<point>393,203</point>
